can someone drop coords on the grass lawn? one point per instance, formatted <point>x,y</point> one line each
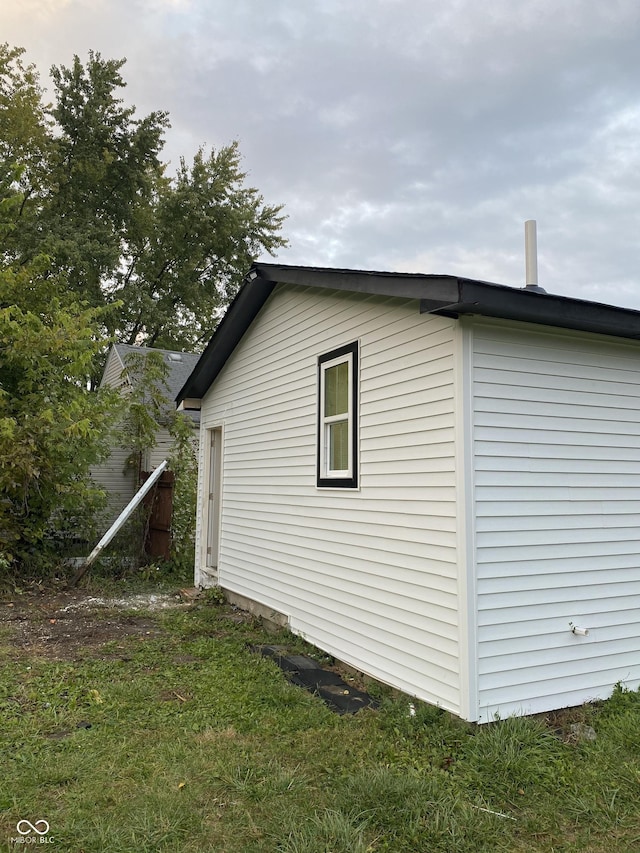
<point>170,734</point>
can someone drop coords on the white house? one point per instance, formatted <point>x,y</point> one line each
<point>117,478</point>
<point>434,479</point>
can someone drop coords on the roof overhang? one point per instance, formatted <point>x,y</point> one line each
<point>239,316</point>
<point>445,295</point>
<point>457,297</point>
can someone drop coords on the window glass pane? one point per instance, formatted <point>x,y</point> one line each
<point>336,389</point>
<point>339,446</point>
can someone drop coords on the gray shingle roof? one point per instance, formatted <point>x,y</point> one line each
<point>180,365</point>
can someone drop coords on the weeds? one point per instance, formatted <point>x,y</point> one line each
<point>328,830</point>
<point>509,757</point>
<point>184,739</point>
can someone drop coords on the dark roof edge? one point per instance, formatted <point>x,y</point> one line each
<point>405,285</point>
<point>547,309</point>
<point>239,315</point>
<point>446,295</point>
<point>455,295</point>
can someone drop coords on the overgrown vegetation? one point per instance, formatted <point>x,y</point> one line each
<point>197,743</point>
<point>146,410</point>
<point>51,428</point>
<point>165,252</point>
<point>183,461</point>
<point>98,243</point>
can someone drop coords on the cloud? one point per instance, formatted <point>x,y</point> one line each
<point>400,134</point>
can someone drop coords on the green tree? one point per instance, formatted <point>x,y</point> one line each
<point>24,139</point>
<point>191,248</point>
<point>104,165</point>
<point>170,251</point>
<point>22,118</point>
<point>147,409</point>
<point>98,241</point>
<point>52,428</point>
<point>147,406</point>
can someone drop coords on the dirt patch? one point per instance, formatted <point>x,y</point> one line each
<point>572,725</point>
<point>182,695</point>
<point>71,624</point>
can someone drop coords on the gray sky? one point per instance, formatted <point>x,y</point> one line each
<point>408,135</point>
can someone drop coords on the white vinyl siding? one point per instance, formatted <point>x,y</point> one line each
<point>161,450</point>
<point>557,506</point>
<point>117,479</point>
<point>369,574</point>
<point>113,371</point>
<point>114,475</point>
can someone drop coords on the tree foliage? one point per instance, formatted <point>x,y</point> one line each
<point>52,428</point>
<point>191,249</point>
<point>24,128</point>
<point>147,409</point>
<point>97,241</point>
<point>167,253</point>
<point>103,166</point>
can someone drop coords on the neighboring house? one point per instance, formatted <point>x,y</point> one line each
<point>433,479</point>
<point>115,475</point>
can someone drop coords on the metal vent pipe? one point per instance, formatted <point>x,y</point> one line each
<point>531,252</point>
<point>531,256</point>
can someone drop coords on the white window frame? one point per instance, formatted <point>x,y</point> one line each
<point>347,477</point>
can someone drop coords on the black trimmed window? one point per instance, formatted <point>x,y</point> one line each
<point>338,418</point>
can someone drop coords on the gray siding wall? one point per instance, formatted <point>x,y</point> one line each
<point>113,475</point>
<point>557,505</point>
<point>371,575</point>
<point>113,370</point>
<point>117,479</point>
<point>160,451</point>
